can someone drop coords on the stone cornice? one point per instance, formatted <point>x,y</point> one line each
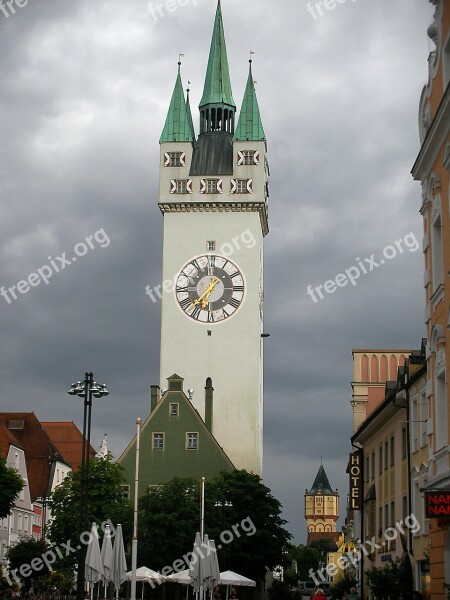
<point>182,207</point>
<point>435,138</point>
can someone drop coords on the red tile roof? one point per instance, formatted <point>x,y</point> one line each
<point>66,436</point>
<point>6,439</point>
<point>40,452</point>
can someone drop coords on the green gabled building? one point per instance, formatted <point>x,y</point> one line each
<point>175,441</point>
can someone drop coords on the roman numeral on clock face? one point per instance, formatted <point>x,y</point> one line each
<point>238,288</point>
<point>196,312</point>
<point>234,303</point>
<point>185,303</point>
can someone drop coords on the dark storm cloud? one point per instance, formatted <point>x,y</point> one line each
<point>85,90</point>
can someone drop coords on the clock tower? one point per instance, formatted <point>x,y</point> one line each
<point>214,199</point>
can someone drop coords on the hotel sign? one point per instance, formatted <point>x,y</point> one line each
<point>437,504</point>
<point>356,480</point>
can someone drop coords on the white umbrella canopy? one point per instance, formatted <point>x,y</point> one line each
<point>119,563</point>
<point>232,578</point>
<point>195,566</point>
<point>93,563</point>
<point>180,577</point>
<point>147,575</point>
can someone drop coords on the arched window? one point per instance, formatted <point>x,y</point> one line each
<point>374,369</point>
<point>364,368</point>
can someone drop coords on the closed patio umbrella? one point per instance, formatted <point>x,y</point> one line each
<point>107,555</point>
<point>93,563</point>
<point>119,563</point>
<point>195,566</point>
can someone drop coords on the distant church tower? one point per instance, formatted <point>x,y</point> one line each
<point>214,198</point>
<point>321,506</point>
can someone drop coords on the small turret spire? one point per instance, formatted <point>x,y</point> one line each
<point>178,127</point>
<point>250,126</point>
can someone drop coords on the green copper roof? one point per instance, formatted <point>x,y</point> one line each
<point>189,114</point>
<point>250,126</point>
<point>217,88</point>
<point>178,127</point>
<point>321,484</point>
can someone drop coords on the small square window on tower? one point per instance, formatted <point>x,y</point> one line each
<point>175,159</point>
<point>210,246</point>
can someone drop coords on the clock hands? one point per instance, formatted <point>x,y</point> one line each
<point>206,294</point>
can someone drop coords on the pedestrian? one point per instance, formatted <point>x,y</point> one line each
<point>233,594</point>
<point>319,594</point>
<point>353,594</point>
<point>216,593</point>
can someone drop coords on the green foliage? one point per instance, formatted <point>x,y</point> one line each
<point>10,485</point>
<point>22,554</point>
<point>54,582</point>
<point>168,520</point>
<point>6,591</point>
<point>170,517</point>
<point>343,583</point>
<point>105,502</point>
<point>393,580</point>
<point>306,557</point>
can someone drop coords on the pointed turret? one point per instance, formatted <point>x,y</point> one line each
<point>189,114</point>
<point>321,484</point>
<point>250,126</point>
<point>178,126</point>
<point>217,107</point>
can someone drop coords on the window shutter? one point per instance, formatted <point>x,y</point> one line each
<point>202,186</point>
<point>249,186</point>
<point>256,158</point>
<point>233,186</point>
<point>183,159</point>
<point>189,186</point>
<point>173,186</point>
<point>240,158</point>
<point>219,186</point>
<point>166,159</point>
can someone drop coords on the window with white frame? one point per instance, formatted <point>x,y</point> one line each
<point>241,186</point>
<point>174,409</point>
<point>436,248</point>
<point>210,246</point>
<point>440,401</point>
<point>414,423</point>
<point>158,441</point>
<point>176,159</point>
<point>247,157</point>
<point>191,440</point>
<point>211,186</point>
<point>423,415</point>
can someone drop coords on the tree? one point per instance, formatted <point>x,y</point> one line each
<point>10,485</point>
<point>393,580</point>
<point>106,501</point>
<point>249,534</point>
<point>307,558</point>
<point>20,558</point>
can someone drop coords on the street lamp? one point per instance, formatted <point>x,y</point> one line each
<point>86,389</point>
<point>223,505</point>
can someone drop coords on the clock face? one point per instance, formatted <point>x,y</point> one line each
<point>210,288</point>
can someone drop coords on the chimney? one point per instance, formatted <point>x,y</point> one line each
<point>154,397</point>
<point>209,391</point>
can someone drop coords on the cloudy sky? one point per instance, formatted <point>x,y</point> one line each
<point>85,90</point>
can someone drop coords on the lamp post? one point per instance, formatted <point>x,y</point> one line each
<point>223,505</point>
<point>87,390</point>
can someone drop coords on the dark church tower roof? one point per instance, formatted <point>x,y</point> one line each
<point>321,484</point>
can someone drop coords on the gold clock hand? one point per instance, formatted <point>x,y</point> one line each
<point>207,292</point>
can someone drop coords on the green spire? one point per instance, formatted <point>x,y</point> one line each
<point>178,127</point>
<point>217,88</point>
<point>189,115</point>
<point>321,484</point>
<point>250,126</point>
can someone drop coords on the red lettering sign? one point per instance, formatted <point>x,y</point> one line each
<point>437,504</point>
